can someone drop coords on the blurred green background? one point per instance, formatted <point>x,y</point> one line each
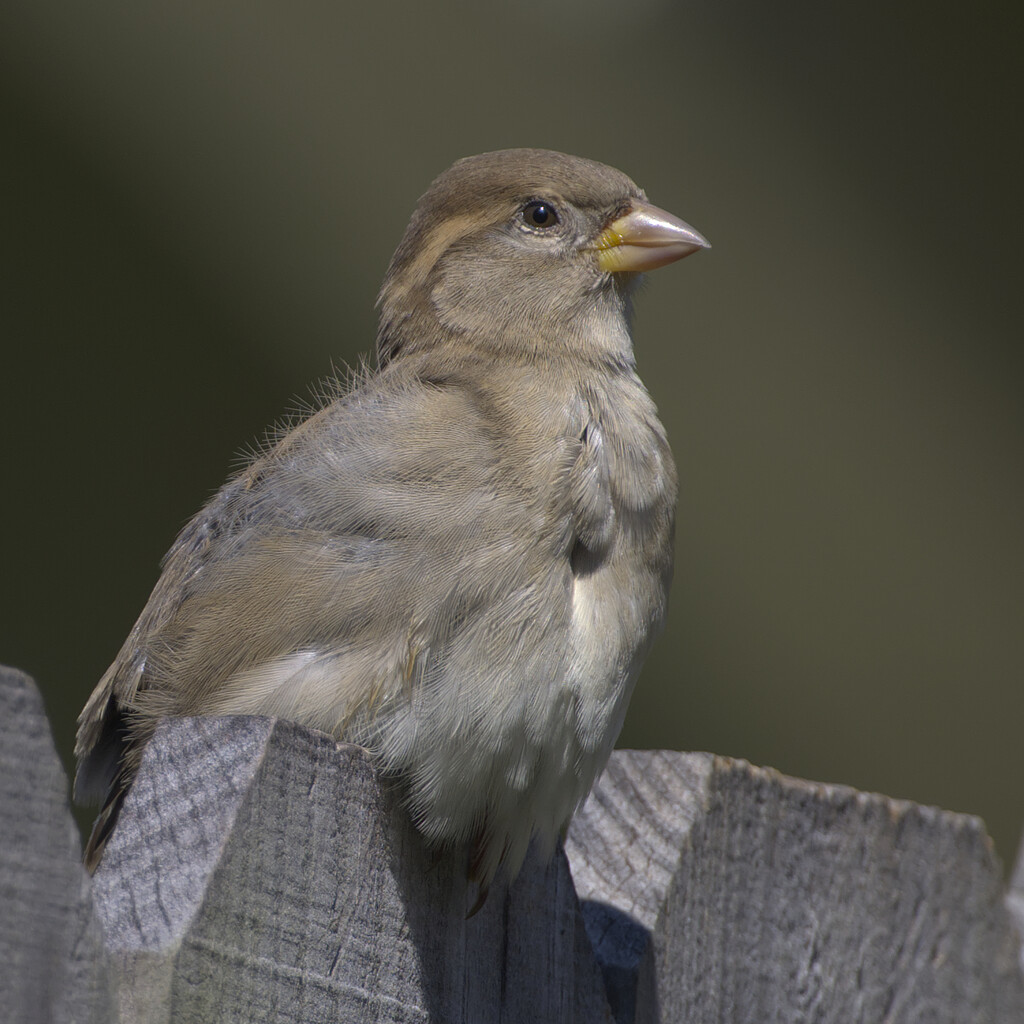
<point>201,199</point>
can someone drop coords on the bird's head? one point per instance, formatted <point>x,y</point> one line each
<point>529,251</point>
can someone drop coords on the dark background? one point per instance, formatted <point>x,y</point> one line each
<point>200,199</point>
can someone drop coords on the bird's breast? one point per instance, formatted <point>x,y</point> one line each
<point>623,488</point>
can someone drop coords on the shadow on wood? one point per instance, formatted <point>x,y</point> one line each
<point>769,898</point>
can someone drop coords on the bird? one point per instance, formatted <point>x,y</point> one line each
<point>460,560</point>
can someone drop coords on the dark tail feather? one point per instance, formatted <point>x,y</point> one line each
<point>104,773</point>
<point>104,825</point>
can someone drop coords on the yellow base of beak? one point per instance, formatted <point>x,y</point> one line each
<point>644,239</point>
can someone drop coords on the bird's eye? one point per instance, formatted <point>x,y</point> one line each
<point>539,214</point>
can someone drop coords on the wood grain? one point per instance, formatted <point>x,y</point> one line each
<point>767,898</point>
<point>261,871</point>
<point>51,967</point>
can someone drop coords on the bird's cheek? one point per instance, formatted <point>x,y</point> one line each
<point>455,296</point>
<point>478,296</point>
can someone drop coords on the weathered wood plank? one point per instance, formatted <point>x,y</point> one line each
<point>1015,898</point>
<point>50,970</point>
<point>767,898</point>
<point>261,872</point>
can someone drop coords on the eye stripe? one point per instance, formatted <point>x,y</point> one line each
<point>440,237</point>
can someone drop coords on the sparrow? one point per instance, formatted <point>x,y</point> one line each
<point>461,560</point>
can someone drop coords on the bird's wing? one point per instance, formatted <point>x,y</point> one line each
<point>338,568</point>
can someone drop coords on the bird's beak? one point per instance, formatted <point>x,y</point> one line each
<point>645,238</point>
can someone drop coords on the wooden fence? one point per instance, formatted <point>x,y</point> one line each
<point>261,872</point>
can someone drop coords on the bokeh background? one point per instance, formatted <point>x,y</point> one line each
<point>200,200</point>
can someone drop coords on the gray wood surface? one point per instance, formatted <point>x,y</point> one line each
<point>50,967</point>
<point>263,872</point>
<point>1015,898</point>
<point>716,891</point>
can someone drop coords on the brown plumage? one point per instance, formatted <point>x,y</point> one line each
<point>461,561</point>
